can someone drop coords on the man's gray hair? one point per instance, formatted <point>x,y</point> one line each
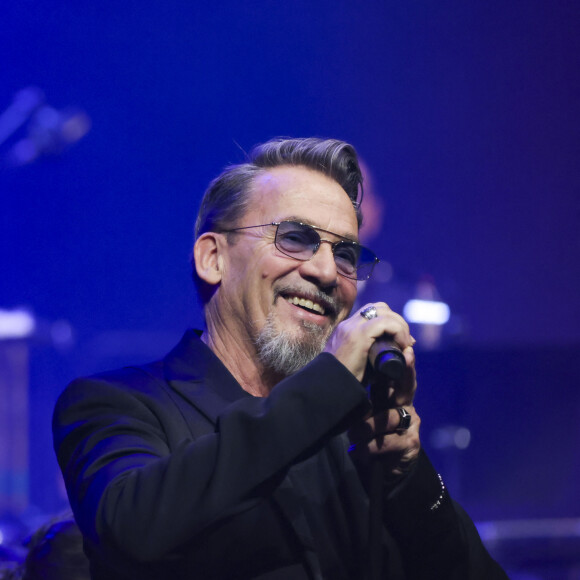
<point>227,197</point>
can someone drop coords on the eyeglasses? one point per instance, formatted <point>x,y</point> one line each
<point>302,241</point>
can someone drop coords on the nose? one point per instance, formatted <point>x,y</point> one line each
<point>321,268</point>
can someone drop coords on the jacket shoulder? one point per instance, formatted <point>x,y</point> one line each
<point>138,379</point>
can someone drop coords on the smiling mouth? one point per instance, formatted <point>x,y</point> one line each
<point>306,304</point>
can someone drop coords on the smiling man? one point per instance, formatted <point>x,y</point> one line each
<point>275,306</point>
<point>251,451</point>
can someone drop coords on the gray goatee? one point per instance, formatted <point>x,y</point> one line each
<point>283,352</point>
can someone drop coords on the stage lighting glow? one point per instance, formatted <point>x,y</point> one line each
<point>426,312</point>
<point>451,437</point>
<point>462,438</point>
<point>16,324</point>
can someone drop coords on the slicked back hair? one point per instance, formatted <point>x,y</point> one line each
<point>227,198</point>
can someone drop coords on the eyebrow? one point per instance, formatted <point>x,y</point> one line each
<point>302,220</point>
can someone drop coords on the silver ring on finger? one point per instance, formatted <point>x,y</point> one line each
<point>369,312</point>
<point>405,419</point>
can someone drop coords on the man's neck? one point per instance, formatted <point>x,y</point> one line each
<point>240,358</point>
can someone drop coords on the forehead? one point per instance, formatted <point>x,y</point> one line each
<point>301,193</point>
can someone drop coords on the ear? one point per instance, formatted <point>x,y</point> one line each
<point>209,262</point>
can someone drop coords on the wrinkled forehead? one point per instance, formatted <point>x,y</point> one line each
<point>302,194</point>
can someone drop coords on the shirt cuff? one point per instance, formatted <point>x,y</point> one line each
<point>421,496</point>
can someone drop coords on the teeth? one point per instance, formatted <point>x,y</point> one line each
<point>306,304</point>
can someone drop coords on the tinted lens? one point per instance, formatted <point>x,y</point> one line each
<point>297,240</point>
<point>346,256</point>
<point>301,241</point>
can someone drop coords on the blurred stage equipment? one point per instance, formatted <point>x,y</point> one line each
<point>14,327</point>
<point>547,548</point>
<point>19,329</point>
<point>427,312</point>
<point>48,131</point>
<point>18,323</point>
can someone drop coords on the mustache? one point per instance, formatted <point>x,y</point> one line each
<point>330,303</point>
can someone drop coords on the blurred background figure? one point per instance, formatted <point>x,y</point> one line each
<point>413,294</point>
<point>55,552</point>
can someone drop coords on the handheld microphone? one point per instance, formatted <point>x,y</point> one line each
<point>388,364</point>
<point>386,359</point>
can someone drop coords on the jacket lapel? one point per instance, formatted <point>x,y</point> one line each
<point>199,376</point>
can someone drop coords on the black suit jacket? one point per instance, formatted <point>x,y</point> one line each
<point>173,471</point>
